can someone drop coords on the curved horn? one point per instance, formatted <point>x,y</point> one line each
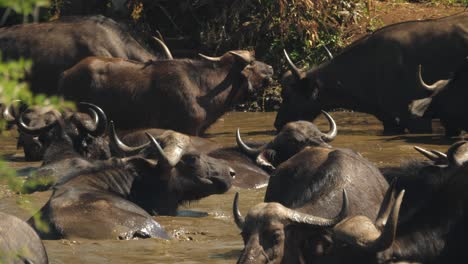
<point>99,118</point>
<point>240,221</point>
<point>454,158</point>
<point>294,68</point>
<point>330,55</point>
<point>328,137</point>
<point>426,153</point>
<point>127,150</point>
<point>9,112</point>
<point>388,233</point>
<point>302,218</point>
<point>166,50</point>
<point>34,131</point>
<point>385,207</point>
<point>214,59</point>
<point>163,157</point>
<point>246,149</point>
<point>435,86</point>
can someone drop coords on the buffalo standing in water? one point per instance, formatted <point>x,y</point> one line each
<point>447,101</point>
<point>183,95</point>
<point>58,45</point>
<point>375,74</point>
<point>309,183</point>
<point>114,198</point>
<point>19,243</point>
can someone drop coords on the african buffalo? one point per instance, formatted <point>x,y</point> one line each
<point>311,182</point>
<point>57,45</point>
<point>183,95</point>
<point>432,220</point>
<point>248,174</point>
<point>85,129</point>
<point>19,243</point>
<point>375,74</point>
<point>292,138</point>
<point>114,198</point>
<point>447,102</point>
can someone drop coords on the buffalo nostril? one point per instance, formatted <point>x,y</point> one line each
<point>232,172</point>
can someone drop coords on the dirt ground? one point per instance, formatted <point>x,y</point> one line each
<point>384,13</point>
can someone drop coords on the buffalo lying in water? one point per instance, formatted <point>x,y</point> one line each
<point>292,138</point>
<point>248,174</point>
<point>375,74</point>
<point>114,198</point>
<point>311,182</point>
<point>447,102</point>
<point>19,243</point>
<point>85,128</point>
<point>195,92</point>
<point>58,45</point>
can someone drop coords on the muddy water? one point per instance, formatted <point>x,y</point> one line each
<point>214,238</point>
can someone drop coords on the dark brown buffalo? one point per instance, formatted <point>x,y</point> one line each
<point>311,182</point>
<point>375,74</point>
<point>248,174</point>
<point>447,102</point>
<point>57,45</point>
<point>292,138</point>
<point>85,129</point>
<point>116,198</point>
<point>183,95</point>
<point>431,227</point>
<point>19,243</point>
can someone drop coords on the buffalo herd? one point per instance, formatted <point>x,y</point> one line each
<point>133,149</point>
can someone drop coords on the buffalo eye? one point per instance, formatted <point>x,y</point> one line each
<point>190,159</point>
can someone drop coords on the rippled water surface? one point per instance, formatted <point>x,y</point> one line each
<point>213,238</point>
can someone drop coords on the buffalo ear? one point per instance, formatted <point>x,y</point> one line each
<point>419,107</point>
<point>243,55</point>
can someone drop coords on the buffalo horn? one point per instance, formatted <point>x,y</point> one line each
<point>243,55</point>
<point>455,157</point>
<point>435,86</point>
<point>166,50</point>
<point>122,146</point>
<point>428,154</point>
<point>328,137</point>
<point>386,208</point>
<point>236,213</point>
<point>163,157</point>
<point>246,149</point>
<point>99,117</point>
<point>294,68</point>
<point>9,112</point>
<point>301,218</point>
<point>389,230</point>
<point>330,55</point>
<point>34,131</point>
<point>441,155</point>
<point>214,59</point>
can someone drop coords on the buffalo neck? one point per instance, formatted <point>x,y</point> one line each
<point>222,84</point>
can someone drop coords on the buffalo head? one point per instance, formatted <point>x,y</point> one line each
<point>182,173</point>
<point>83,131</point>
<point>270,231</point>
<point>254,74</point>
<point>303,95</point>
<point>292,138</point>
